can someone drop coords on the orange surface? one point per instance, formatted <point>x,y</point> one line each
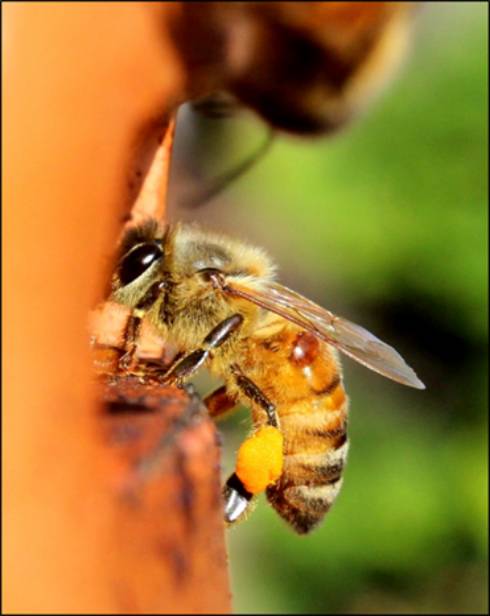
<point>82,82</point>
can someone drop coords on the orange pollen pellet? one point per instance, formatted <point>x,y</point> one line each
<point>260,459</point>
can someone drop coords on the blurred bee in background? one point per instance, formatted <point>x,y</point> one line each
<point>304,67</point>
<point>215,300</point>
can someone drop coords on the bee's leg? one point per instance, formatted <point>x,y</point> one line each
<point>130,337</point>
<point>192,392</point>
<point>238,499</point>
<point>253,393</point>
<point>187,365</point>
<point>219,402</point>
<point>259,465</point>
<point>260,457</point>
<point>128,361</point>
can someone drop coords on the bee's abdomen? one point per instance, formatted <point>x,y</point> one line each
<point>302,378</point>
<point>315,443</point>
<point>311,478</point>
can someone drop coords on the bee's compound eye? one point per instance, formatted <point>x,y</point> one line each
<point>138,261</point>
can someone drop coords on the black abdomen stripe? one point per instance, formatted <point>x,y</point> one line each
<point>308,487</point>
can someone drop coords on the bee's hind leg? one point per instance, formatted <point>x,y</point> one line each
<point>260,458</point>
<point>238,500</point>
<point>255,395</point>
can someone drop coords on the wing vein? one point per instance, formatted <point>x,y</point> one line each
<point>353,340</point>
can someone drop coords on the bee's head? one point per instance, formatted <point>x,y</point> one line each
<point>140,265</point>
<point>170,274</point>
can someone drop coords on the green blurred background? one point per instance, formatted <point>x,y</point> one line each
<point>386,224</point>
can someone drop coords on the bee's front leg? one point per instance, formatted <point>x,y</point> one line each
<point>127,360</point>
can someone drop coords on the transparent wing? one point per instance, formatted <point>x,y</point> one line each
<point>351,339</point>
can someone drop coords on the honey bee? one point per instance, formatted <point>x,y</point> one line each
<point>217,302</point>
<point>304,67</point>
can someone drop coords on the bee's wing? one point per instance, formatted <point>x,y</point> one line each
<point>350,338</point>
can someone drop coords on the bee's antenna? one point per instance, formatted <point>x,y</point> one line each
<point>221,182</point>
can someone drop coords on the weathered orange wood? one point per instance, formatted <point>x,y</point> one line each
<point>168,510</point>
<point>83,84</point>
<point>152,197</point>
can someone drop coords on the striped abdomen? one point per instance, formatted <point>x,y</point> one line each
<point>312,410</point>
